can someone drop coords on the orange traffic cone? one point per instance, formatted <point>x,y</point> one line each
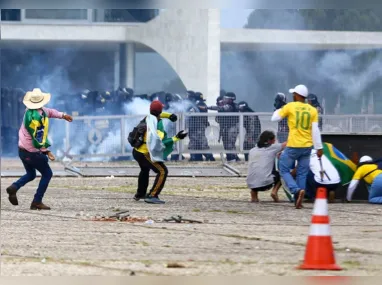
<point>319,254</point>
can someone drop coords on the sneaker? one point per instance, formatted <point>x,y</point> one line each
<point>300,197</point>
<point>154,200</point>
<point>39,206</point>
<point>137,198</point>
<point>12,190</point>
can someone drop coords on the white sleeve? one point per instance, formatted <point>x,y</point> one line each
<point>316,135</point>
<point>276,116</point>
<point>353,185</point>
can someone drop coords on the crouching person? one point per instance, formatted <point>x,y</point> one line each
<point>152,152</point>
<point>327,177</point>
<point>262,174</point>
<point>369,172</point>
<point>33,146</point>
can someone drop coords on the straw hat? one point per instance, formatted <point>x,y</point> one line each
<point>36,99</point>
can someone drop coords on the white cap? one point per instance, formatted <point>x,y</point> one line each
<point>365,158</point>
<point>300,90</point>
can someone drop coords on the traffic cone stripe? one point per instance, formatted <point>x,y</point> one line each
<point>320,207</point>
<point>320,220</point>
<point>319,230</point>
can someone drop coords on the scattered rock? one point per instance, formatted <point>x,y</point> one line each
<point>175,265</point>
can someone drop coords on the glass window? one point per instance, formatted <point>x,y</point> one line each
<point>130,15</point>
<point>57,14</point>
<point>10,14</point>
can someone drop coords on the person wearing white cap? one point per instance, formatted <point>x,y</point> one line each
<point>303,135</point>
<point>33,146</point>
<point>372,175</point>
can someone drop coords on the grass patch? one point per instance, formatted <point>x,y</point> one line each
<point>215,211</point>
<point>143,243</point>
<point>196,210</point>
<point>351,263</point>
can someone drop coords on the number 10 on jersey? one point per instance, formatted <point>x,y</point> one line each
<point>303,120</point>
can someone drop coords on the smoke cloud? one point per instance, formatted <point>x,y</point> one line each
<point>256,76</point>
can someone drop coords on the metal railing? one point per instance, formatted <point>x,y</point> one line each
<point>106,136</point>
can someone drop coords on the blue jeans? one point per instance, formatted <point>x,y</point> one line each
<point>375,194</point>
<point>33,161</point>
<point>287,162</point>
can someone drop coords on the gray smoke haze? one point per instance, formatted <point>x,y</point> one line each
<point>256,76</point>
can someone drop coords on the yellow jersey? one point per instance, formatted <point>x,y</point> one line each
<point>365,169</point>
<point>300,117</point>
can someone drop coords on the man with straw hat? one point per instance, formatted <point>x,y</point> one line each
<point>33,146</point>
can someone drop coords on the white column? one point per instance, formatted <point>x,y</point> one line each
<point>130,58</point>
<point>116,70</point>
<point>213,56</point>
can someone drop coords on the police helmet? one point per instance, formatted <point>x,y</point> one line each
<point>230,96</point>
<point>280,100</point>
<point>191,95</point>
<point>313,100</point>
<point>177,98</point>
<point>169,97</point>
<point>199,96</point>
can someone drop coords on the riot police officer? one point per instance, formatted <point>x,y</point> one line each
<point>252,126</point>
<point>313,101</point>
<point>123,96</point>
<point>197,128</point>
<point>229,125</point>
<point>282,128</point>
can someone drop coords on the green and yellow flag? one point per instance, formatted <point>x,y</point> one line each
<point>168,142</point>
<point>344,166</point>
<point>37,126</point>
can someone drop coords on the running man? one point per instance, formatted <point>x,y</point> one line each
<point>303,135</point>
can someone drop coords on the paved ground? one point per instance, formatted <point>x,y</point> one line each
<point>236,237</point>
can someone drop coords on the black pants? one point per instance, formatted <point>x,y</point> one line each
<point>146,165</point>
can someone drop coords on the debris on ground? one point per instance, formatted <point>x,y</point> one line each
<point>129,219</point>
<point>123,216</point>
<point>175,265</point>
<point>180,219</point>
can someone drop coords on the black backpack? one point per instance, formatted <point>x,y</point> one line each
<point>136,136</point>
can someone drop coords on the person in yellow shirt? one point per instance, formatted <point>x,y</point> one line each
<point>151,153</point>
<point>370,173</point>
<point>303,135</point>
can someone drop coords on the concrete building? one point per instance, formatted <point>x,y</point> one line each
<point>191,41</point>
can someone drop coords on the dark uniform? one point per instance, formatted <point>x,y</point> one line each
<point>229,125</point>
<point>252,126</point>
<point>197,126</point>
<point>282,128</point>
<point>313,101</point>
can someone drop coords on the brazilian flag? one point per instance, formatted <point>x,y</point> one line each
<point>168,142</point>
<point>344,166</point>
<point>37,126</point>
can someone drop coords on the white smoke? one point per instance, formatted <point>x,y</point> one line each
<point>339,67</point>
